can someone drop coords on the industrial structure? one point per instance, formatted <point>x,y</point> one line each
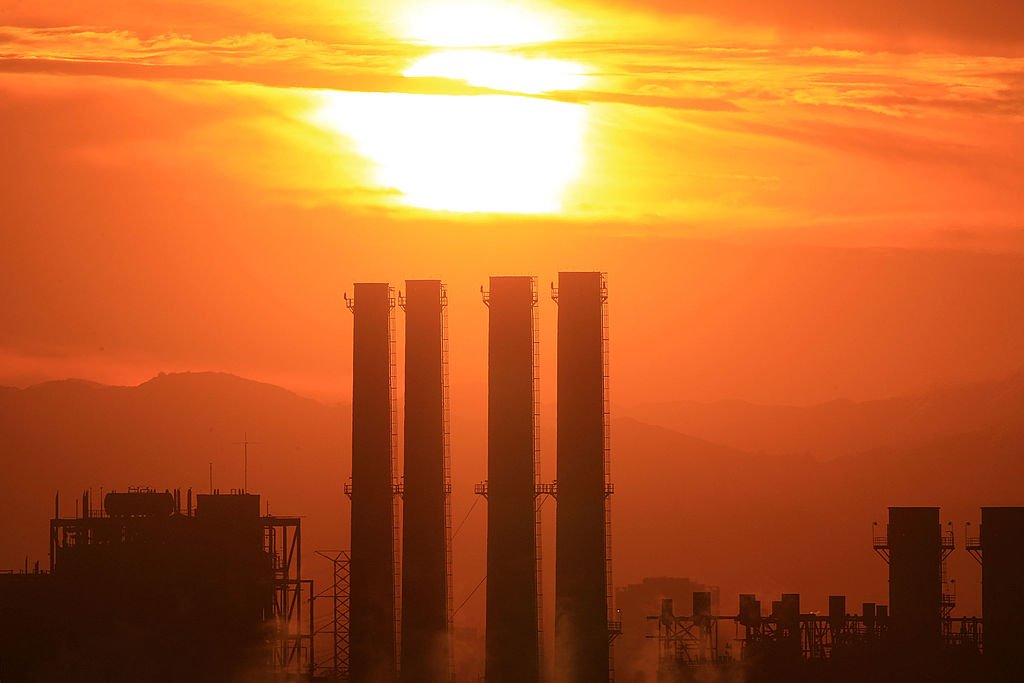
<point>332,639</point>
<point>915,637</point>
<point>373,656</point>
<point>915,548</point>
<point>583,518</point>
<point>1000,549</point>
<point>426,489</point>
<point>513,645</point>
<point>151,587</point>
<point>636,654</point>
<point>145,588</point>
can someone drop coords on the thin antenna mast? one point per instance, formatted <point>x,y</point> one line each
<point>244,443</point>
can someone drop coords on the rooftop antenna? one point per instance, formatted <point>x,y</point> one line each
<point>211,476</point>
<point>245,459</point>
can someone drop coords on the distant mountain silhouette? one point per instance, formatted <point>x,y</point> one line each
<point>843,427</point>
<point>772,523</point>
<point>71,434</point>
<point>696,504</point>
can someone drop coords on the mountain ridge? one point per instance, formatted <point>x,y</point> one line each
<point>683,505</point>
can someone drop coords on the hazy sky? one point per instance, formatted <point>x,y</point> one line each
<point>795,201</point>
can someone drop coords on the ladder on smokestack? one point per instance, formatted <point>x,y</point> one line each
<point>538,500</point>
<point>396,482</point>
<point>446,426</point>
<point>614,625</point>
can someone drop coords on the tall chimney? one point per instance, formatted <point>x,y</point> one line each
<point>914,538</point>
<point>373,563</point>
<point>1002,588</point>
<point>426,522</point>
<point>581,580</point>
<point>512,648</point>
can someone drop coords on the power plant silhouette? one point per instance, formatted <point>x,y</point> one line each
<point>148,587</point>
<point>513,488</point>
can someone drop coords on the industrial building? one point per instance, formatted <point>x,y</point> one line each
<point>915,637</point>
<point>147,587</point>
<point>151,587</point>
<point>1000,549</point>
<point>636,655</point>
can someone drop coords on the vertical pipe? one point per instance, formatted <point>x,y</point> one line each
<point>581,593</point>
<point>424,641</point>
<point>1002,595</point>
<point>512,648</point>
<point>373,636</point>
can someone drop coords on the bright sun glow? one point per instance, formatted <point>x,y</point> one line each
<point>501,71</point>
<point>477,24</point>
<point>494,153</point>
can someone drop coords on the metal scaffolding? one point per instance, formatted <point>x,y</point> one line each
<point>335,665</point>
<point>293,646</point>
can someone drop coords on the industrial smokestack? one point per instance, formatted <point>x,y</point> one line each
<point>426,521</point>
<point>915,547</point>
<point>581,557</point>
<point>373,562</point>
<point>512,648</point>
<point>1002,600</point>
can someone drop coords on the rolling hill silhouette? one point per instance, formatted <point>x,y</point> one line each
<point>701,504</point>
<point>844,427</point>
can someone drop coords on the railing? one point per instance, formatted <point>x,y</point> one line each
<point>547,489</point>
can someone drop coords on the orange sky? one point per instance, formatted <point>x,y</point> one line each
<point>795,201</point>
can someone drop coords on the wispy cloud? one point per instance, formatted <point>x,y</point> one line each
<point>753,130</point>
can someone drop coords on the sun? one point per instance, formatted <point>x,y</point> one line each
<point>492,153</point>
<point>513,152</point>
